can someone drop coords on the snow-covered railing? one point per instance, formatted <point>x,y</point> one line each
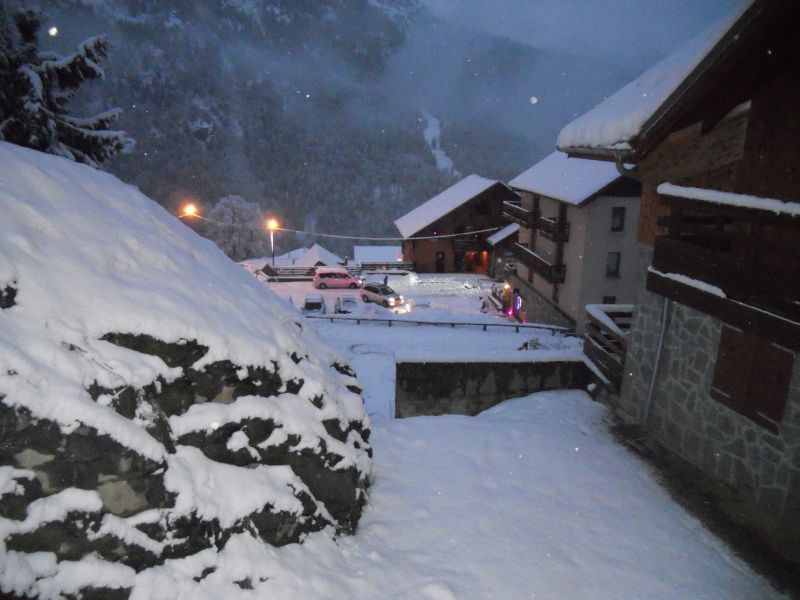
<point>516,326</point>
<point>606,338</point>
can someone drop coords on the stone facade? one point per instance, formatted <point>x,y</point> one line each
<point>762,466</point>
<point>469,388</point>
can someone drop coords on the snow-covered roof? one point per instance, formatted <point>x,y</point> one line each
<point>503,234</point>
<point>774,205</point>
<point>442,204</point>
<point>377,254</point>
<point>300,257</point>
<point>612,124</point>
<point>316,255</point>
<point>571,180</point>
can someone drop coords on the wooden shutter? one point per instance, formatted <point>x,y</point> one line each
<point>752,376</point>
<point>769,384</point>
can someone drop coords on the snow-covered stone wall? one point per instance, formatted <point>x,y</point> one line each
<point>155,400</point>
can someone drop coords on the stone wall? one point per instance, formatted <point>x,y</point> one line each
<point>761,465</point>
<point>469,388</point>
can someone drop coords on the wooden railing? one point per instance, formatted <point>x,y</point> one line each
<point>554,273</point>
<point>554,230</point>
<point>405,265</point>
<point>514,212</point>
<point>738,278</point>
<point>605,342</point>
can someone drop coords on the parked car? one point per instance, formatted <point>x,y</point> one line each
<point>335,277</point>
<point>345,305</point>
<point>314,304</point>
<point>381,294</point>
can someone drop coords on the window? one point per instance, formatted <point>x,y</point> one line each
<point>752,376</point>
<point>612,264</point>
<point>618,218</point>
<point>609,299</point>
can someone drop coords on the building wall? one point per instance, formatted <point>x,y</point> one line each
<point>599,240</point>
<point>423,252</point>
<point>764,467</point>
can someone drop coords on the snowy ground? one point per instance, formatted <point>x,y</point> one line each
<point>531,499</point>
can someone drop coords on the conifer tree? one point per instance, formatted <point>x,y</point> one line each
<point>36,86</point>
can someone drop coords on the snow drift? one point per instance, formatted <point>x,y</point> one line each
<point>156,401</point>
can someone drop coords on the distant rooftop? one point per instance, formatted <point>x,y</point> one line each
<point>442,204</point>
<point>505,232</point>
<point>615,122</point>
<point>571,180</point>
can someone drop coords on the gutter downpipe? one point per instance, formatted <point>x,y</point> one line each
<point>666,310</point>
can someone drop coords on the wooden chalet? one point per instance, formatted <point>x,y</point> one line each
<point>455,226</point>
<point>712,367</point>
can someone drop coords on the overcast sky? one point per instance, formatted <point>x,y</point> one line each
<point>623,31</point>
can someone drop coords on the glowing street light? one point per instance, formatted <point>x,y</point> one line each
<point>189,210</point>
<point>53,31</point>
<point>272,225</point>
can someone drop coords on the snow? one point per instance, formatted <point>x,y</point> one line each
<point>598,311</point>
<point>296,417</point>
<point>442,204</point>
<point>695,283</point>
<point>531,499</point>
<point>301,257</point>
<point>377,254</point>
<point>623,116</point>
<point>52,508</point>
<point>91,255</point>
<point>779,207</point>
<point>506,231</point>
<point>215,490</point>
<point>433,137</point>
<point>570,180</point>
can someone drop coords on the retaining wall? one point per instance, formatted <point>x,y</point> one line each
<point>437,388</point>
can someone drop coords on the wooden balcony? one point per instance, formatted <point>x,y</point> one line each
<point>554,230</point>
<point>513,211</point>
<point>605,342</point>
<point>743,292</point>
<point>553,273</point>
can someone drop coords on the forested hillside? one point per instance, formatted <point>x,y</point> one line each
<point>313,109</point>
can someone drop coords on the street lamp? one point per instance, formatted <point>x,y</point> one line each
<point>272,225</point>
<point>190,210</point>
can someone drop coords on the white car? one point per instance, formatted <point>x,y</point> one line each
<point>381,294</point>
<point>346,305</point>
<point>314,304</point>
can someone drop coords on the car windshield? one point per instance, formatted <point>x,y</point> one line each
<point>313,305</point>
<point>385,290</point>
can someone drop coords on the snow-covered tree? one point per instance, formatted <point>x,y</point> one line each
<point>236,226</point>
<point>36,86</point>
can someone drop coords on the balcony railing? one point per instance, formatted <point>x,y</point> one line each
<point>605,342</point>
<point>554,230</point>
<point>554,273</point>
<point>737,278</point>
<point>514,212</point>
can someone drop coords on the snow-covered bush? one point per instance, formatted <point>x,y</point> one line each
<point>156,401</point>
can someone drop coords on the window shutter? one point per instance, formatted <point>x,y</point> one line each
<point>731,373</point>
<point>769,384</point>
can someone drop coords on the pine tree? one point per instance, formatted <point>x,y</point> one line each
<point>35,88</point>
